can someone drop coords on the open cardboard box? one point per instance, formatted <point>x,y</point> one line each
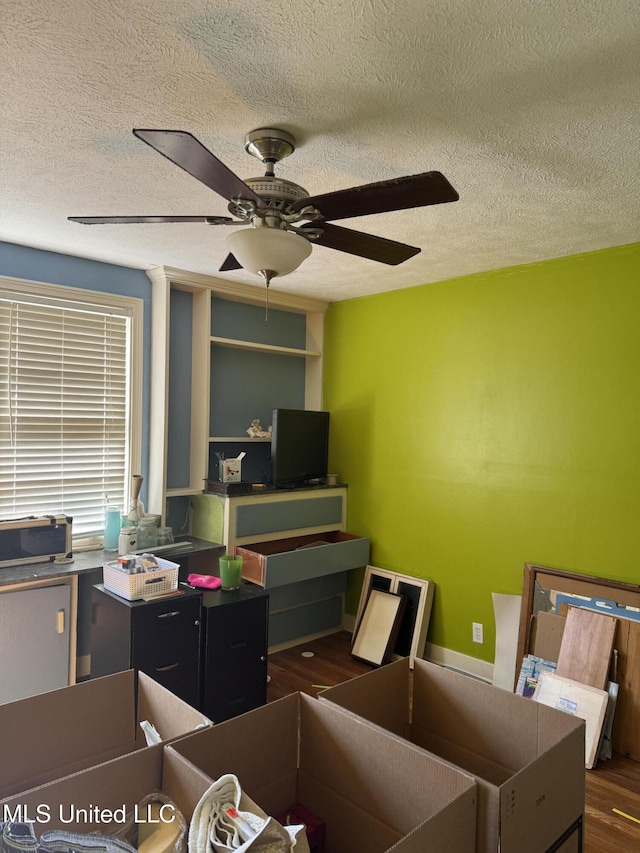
<point>372,791</point>
<point>53,734</point>
<point>527,759</point>
<point>116,786</point>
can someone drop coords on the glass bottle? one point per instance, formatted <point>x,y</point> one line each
<point>111,527</point>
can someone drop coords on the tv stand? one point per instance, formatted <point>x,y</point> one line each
<point>306,585</point>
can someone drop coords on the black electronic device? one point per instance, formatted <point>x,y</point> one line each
<point>299,446</point>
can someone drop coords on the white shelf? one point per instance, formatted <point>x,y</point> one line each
<point>237,438</point>
<point>178,493</point>
<point>251,345</point>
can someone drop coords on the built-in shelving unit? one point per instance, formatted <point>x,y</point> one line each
<point>266,348</point>
<point>194,404</point>
<point>239,438</point>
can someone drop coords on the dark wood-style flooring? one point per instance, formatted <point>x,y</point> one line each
<point>613,784</point>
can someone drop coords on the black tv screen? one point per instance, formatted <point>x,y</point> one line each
<point>299,446</point>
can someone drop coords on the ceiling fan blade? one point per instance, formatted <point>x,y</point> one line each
<point>398,194</point>
<point>186,151</point>
<point>365,245</point>
<point>230,263</point>
<point>127,220</point>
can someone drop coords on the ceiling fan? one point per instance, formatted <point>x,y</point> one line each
<point>285,219</point>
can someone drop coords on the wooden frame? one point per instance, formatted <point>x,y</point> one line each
<point>376,634</point>
<point>626,730</point>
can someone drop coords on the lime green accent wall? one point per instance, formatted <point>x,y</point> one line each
<point>489,421</point>
<point>208,517</point>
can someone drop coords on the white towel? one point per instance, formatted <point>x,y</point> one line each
<point>226,819</point>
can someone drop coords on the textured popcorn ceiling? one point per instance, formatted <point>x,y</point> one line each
<point>529,107</point>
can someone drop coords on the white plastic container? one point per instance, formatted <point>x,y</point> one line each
<point>133,587</point>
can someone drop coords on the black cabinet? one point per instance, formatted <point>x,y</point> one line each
<point>161,638</point>
<point>209,649</point>
<point>234,651</point>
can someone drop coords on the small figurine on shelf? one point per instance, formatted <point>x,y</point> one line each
<point>257,431</point>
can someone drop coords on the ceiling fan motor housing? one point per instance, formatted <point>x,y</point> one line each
<point>278,193</point>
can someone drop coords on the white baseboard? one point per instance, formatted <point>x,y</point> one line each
<point>444,657</point>
<point>462,663</point>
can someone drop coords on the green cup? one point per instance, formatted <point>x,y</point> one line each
<point>230,572</point>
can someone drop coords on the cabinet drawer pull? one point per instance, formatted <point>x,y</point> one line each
<point>170,613</point>
<point>167,668</point>
<point>60,622</point>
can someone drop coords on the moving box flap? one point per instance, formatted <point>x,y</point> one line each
<point>539,803</point>
<point>497,725</point>
<point>377,772</point>
<point>488,775</point>
<point>381,696</point>
<point>451,830</point>
<point>182,782</point>
<point>351,828</point>
<point>259,747</point>
<point>171,716</point>
<point>116,785</point>
<point>345,821</point>
<point>107,786</point>
<point>62,731</point>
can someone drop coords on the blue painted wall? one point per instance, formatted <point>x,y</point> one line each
<point>53,268</point>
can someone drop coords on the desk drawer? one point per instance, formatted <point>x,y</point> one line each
<point>166,613</point>
<point>300,558</point>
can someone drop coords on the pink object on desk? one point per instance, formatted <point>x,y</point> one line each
<point>204,581</point>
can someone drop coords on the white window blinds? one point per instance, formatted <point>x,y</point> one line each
<point>64,409</point>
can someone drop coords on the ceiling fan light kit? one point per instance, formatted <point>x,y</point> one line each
<point>264,248</point>
<point>283,219</point>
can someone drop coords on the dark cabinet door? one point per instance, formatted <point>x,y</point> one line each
<point>162,638</point>
<point>166,643</point>
<point>235,662</point>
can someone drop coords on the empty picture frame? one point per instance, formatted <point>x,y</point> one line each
<point>377,631</point>
<point>419,592</point>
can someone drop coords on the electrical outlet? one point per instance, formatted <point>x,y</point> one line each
<point>478,632</point>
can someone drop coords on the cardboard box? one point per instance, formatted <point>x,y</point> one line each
<point>53,734</point>
<point>118,785</point>
<point>371,790</point>
<point>527,759</point>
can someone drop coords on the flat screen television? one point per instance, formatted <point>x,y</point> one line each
<point>299,446</point>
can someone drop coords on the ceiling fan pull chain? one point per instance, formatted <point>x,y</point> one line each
<point>267,275</point>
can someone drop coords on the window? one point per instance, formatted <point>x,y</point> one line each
<point>69,382</point>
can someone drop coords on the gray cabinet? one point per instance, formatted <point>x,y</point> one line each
<point>37,639</point>
<point>295,545</point>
